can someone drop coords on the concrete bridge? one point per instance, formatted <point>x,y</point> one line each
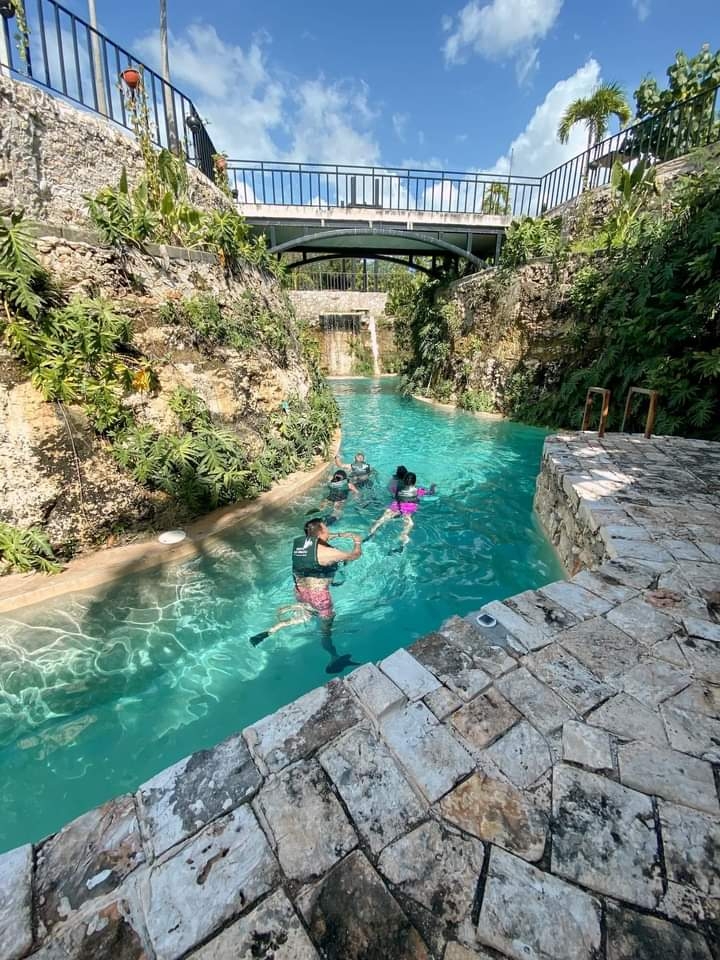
<point>324,211</point>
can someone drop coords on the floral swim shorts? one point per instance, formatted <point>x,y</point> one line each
<point>318,598</point>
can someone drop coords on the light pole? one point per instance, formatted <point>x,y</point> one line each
<point>170,118</point>
<point>97,59</point>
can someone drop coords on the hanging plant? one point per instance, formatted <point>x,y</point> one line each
<point>16,8</point>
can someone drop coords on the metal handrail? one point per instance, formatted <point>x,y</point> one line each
<point>69,57</point>
<point>664,136</point>
<point>653,396</point>
<point>389,188</point>
<point>325,280</point>
<point>604,412</point>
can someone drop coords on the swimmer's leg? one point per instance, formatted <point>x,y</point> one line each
<point>388,515</point>
<point>301,613</point>
<point>408,523</point>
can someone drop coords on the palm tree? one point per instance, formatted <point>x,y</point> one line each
<point>595,111</point>
<point>170,117</point>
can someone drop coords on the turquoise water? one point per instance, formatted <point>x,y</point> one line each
<point>98,693</point>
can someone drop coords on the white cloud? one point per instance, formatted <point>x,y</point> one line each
<point>537,150</point>
<point>500,29</point>
<point>526,64</point>
<point>257,112</point>
<point>400,122</point>
<point>642,8</point>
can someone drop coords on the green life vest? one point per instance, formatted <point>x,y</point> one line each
<point>339,486</point>
<point>360,470</point>
<point>407,495</point>
<point>305,559</point>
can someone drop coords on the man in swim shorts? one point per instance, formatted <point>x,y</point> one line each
<point>314,564</point>
<point>406,501</point>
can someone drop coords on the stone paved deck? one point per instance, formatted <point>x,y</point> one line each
<point>543,790</point>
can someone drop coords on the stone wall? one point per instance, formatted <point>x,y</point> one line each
<point>53,155</point>
<point>310,304</point>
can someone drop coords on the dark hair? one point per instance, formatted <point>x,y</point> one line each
<point>401,472</point>
<point>409,480</point>
<point>312,527</point>
<point>339,475</point>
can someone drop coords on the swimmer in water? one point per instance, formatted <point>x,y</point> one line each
<point>359,470</point>
<point>407,500</point>
<point>314,564</point>
<point>396,479</point>
<point>339,489</point>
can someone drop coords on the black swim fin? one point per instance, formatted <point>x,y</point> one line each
<point>398,549</point>
<point>259,637</point>
<point>340,663</point>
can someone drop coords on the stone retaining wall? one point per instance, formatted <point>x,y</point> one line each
<point>310,304</point>
<point>540,789</point>
<point>53,155</point>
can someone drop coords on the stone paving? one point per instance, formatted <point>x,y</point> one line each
<point>545,789</point>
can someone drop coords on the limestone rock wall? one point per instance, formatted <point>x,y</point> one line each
<point>56,473</point>
<point>507,323</point>
<point>52,155</point>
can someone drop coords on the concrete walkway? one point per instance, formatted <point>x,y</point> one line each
<point>545,789</point>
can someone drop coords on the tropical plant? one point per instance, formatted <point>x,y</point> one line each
<point>608,100</point>
<point>23,550</point>
<point>632,189</point>
<point>531,237</point>
<point>687,77</point>
<point>497,199</point>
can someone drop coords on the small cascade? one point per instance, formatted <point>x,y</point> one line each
<point>339,331</point>
<point>372,328</point>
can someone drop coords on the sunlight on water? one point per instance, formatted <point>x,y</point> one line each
<point>98,693</point>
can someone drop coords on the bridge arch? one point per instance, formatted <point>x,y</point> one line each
<point>320,257</point>
<point>380,244</point>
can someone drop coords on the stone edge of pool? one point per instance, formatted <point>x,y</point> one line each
<point>104,566</point>
<point>544,787</point>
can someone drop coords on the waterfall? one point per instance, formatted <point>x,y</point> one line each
<point>374,346</point>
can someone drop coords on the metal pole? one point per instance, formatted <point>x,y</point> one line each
<point>97,61</point>
<point>170,118</point>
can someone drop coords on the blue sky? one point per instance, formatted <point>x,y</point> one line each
<point>451,84</point>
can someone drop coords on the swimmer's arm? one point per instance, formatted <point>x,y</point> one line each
<point>339,463</point>
<point>353,487</point>
<point>327,555</point>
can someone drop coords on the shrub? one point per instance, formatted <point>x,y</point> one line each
<point>22,550</point>
<point>531,237</point>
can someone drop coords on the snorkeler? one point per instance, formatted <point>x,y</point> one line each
<point>360,470</point>
<point>407,499</point>
<point>314,564</point>
<point>339,489</point>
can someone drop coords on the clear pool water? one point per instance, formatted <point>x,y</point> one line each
<point>98,693</point>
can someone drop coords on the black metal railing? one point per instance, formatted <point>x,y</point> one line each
<point>302,279</point>
<point>67,56</point>
<point>665,136</point>
<point>357,187</point>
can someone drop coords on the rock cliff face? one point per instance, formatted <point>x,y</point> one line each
<point>56,472</point>
<point>511,325</point>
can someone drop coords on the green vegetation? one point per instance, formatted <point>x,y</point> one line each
<point>497,199</point>
<point>649,315</point>
<point>80,351</point>
<point>158,210</point>
<point>24,550</point>
<point>531,237</point>
<point>243,326</point>
<point>608,100</point>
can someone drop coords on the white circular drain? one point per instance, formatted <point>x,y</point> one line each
<point>172,536</point>
<point>485,620</point>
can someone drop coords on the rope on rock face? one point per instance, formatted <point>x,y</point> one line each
<point>76,458</point>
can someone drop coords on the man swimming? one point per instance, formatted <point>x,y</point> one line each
<point>314,564</point>
<point>407,496</point>
<point>339,489</point>
<point>360,470</point>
